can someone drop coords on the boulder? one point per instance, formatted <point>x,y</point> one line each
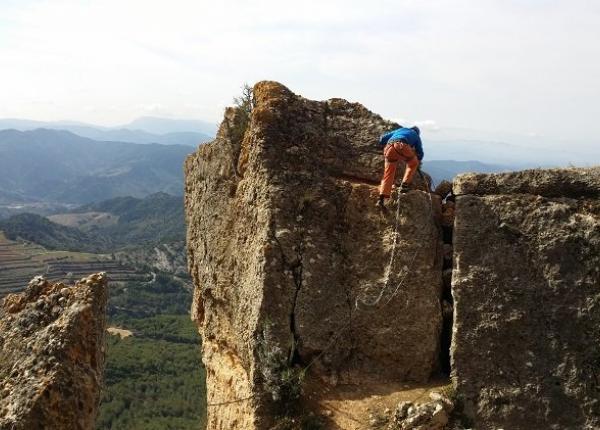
<point>52,355</point>
<point>443,188</point>
<point>431,415</point>
<point>283,234</point>
<point>526,287</point>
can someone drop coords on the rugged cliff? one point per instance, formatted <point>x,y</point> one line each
<point>526,284</point>
<point>307,294</point>
<point>294,267</point>
<point>52,355</point>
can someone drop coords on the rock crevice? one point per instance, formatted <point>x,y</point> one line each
<point>294,240</point>
<point>282,234</point>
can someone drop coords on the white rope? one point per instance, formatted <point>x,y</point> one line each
<point>390,265</point>
<point>375,303</point>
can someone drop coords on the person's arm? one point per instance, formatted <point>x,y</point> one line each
<point>385,137</point>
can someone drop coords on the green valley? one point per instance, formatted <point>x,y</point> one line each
<point>154,377</point>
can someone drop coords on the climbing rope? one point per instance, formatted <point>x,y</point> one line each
<point>373,304</point>
<point>388,271</point>
<point>212,405</point>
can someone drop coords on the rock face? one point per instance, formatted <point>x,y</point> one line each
<point>52,355</point>
<point>283,234</point>
<point>526,288</point>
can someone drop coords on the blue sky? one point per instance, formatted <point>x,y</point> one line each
<point>529,67</point>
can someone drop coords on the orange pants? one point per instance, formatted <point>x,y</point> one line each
<point>392,153</point>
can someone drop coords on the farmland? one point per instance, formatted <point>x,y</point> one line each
<point>20,261</point>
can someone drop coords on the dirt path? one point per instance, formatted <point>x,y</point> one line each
<point>351,407</point>
<point>116,331</point>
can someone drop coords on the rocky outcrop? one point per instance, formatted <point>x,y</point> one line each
<point>52,355</point>
<point>428,415</point>
<point>283,237</point>
<point>526,287</point>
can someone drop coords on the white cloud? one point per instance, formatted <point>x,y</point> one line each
<point>428,125</point>
<point>524,65</point>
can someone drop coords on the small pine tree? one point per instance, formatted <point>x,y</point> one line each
<point>244,105</point>
<point>245,101</point>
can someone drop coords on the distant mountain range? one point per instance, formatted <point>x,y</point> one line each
<point>448,169</point>
<point>157,125</point>
<point>59,166</point>
<point>142,130</point>
<point>43,168</point>
<point>509,149</point>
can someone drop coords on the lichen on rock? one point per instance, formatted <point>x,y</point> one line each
<point>52,354</point>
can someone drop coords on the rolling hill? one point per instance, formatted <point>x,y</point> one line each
<point>124,222</point>
<point>448,169</point>
<point>59,166</point>
<point>158,218</point>
<point>142,130</point>
<point>40,230</point>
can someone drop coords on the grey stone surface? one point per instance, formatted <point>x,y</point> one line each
<point>282,230</point>
<point>52,355</point>
<point>526,286</point>
<point>572,183</point>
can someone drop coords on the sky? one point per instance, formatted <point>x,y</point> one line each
<point>528,67</point>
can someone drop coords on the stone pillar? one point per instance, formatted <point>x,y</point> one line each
<point>526,286</point>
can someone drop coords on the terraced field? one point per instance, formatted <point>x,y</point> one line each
<point>21,261</point>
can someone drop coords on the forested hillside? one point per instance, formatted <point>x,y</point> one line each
<point>59,166</point>
<point>154,378</point>
<point>157,218</point>
<point>40,230</point>
<point>123,222</point>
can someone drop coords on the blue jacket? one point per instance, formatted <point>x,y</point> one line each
<point>407,135</point>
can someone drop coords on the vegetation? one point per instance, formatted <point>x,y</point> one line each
<point>284,382</point>
<point>158,218</point>
<point>163,296</point>
<point>153,220</point>
<point>153,383</point>
<point>281,379</point>
<point>38,229</point>
<point>244,104</point>
<point>58,166</point>
<point>154,379</point>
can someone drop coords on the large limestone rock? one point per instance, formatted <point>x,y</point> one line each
<point>52,355</point>
<point>283,235</point>
<point>526,285</point>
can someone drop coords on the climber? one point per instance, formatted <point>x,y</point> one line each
<point>400,144</point>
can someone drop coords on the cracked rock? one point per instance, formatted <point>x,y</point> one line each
<point>51,358</point>
<point>305,177</point>
<point>527,265</point>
